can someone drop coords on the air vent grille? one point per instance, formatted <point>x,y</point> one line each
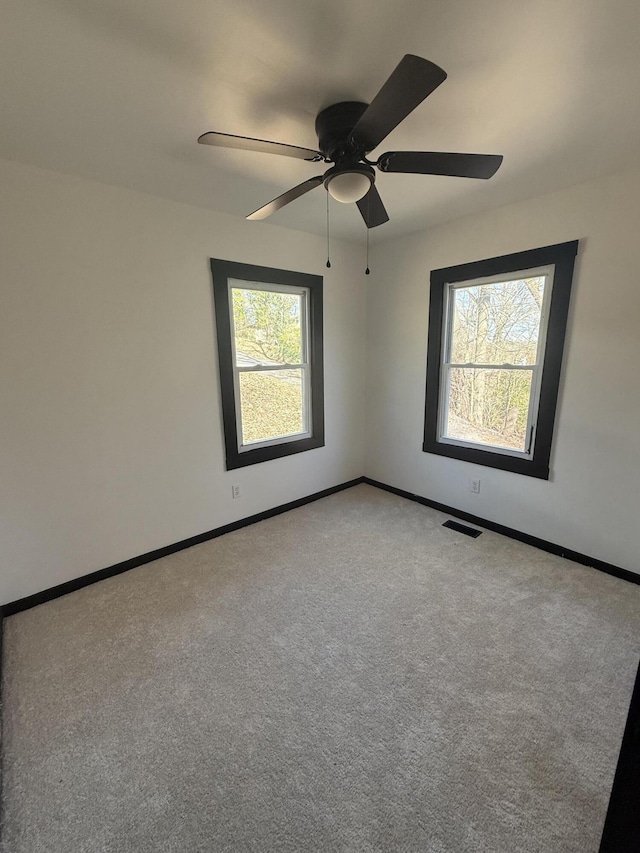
<point>462,528</point>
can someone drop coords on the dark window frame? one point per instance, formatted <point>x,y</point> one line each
<point>562,256</point>
<point>222,271</point>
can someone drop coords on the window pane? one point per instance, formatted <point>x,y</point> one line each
<point>271,404</point>
<point>489,406</point>
<point>268,327</point>
<point>497,323</point>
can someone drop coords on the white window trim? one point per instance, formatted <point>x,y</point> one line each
<point>304,366</point>
<point>536,369</point>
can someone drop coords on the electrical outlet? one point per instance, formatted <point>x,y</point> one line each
<point>235,491</point>
<point>474,486</point>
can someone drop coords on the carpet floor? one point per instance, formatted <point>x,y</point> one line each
<point>347,676</point>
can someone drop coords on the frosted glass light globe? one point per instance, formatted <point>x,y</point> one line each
<point>348,187</point>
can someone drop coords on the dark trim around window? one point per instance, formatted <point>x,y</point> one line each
<point>222,271</point>
<point>562,256</point>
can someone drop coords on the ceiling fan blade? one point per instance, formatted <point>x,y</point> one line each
<point>413,79</point>
<point>285,198</point>
<point>439,163</point>
<point>246,143</point>
<point>372,209</point>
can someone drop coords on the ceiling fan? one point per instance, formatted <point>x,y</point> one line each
<point>349,130</point>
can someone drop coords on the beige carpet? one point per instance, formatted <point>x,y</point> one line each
<point>348,676</point>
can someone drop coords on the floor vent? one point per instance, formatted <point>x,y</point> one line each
<point>462,528</point>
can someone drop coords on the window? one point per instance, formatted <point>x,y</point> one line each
<point>269,326</point>
<point>496,335</point>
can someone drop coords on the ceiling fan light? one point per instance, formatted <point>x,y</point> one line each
<point>351,186</point>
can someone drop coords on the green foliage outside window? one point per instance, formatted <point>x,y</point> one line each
<point>267,325</point>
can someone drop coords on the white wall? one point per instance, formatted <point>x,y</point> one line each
<point>111,434</point>
<point>591,504</point>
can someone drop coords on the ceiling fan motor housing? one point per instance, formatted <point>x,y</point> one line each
<point>334,126</point>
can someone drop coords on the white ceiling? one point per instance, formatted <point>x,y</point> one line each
<point>119,91</point>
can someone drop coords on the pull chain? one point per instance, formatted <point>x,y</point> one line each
<point>328,261</point>
<point>367,271</point>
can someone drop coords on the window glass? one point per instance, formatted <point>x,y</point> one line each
<point>268,325</point>
<point>269,342</point>
<point>493,350</point>
<point>498,322</point>
<point>272,405</point>
<point>489,407</point>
